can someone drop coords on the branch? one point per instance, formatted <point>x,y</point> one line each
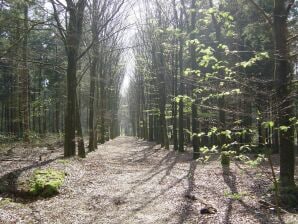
<point>266,17</point>
<point>21,38</point>
<point>292,38</point>
<point>60,3</point>
<point>59,26</point>
<point>102,27</point>
<point>290,5</point>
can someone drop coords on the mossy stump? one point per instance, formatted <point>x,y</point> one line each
<point>46,182</point>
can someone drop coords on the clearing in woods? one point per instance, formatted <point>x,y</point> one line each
<point>132,181</point>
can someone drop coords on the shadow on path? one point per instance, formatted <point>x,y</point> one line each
<point>230,180</point>
<point>186,208</point>
<point>9,182</point>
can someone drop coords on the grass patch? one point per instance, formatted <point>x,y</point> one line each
<point>235,196</point>
<point>63,161</point>
<point>46,182</point>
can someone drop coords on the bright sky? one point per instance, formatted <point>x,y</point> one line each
<point>134,17</point>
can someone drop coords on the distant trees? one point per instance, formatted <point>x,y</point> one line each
<point>47,48</point>
<point>104,34</point>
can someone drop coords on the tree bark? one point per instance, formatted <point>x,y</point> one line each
<point>24,78</point>
<point>73,39</point>
<point>284,78</point>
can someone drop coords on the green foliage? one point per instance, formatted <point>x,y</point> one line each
<point>256,162</point>
<point>226,133</point>
<point>34,137</point>
<point>46,182</point>
<point>268,124</point>
<point>185,99</point>
<point>235,196</point>
<point>206,153</point>
<point>7,139</point>
<point>255,36</point>
<point>260,56</point>
<point>225,158</point>
<point>63,161</point>
<point>284,128</point>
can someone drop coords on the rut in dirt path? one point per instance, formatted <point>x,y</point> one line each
<point>131,181</point>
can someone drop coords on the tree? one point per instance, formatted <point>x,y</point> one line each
<point>284,91</point>
<point>71,40</point>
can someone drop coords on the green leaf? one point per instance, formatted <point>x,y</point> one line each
<point>284,128</point>
<point>268,124</point>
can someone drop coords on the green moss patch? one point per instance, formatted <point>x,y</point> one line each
<point>63,161</point>
<point>5,201</point>
<point>46,182</point>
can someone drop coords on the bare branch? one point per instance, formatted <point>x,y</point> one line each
<point>101,29</point>
<point>59,25</point>
<point>266,17</point>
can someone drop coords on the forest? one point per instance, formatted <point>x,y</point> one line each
<point>148,111</point>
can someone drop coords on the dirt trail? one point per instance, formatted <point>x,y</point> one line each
<point>130,181</point>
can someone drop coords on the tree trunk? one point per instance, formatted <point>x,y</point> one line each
<point>73,39</point>
<point>92,140</point>
<point>81,146</point>
<point>24,78</point>
<point>194,66</point>
<point>284,87</point>
<point>102,109</point>
<point>181,90</point>
<point>70,123</point>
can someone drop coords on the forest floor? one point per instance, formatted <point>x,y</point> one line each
<point>131,181</point>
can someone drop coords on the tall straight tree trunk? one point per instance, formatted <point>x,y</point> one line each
<point>194,66</point>
<point>284,78</point>
<point>151,127</point>
<point>72,42</point>
<point>162,88</point>
<point>181,90</point>
<point>157,129</point>
<point>177,62</point>
<point>92,140</point>
<point>39,98</point>
<point>81,145</point>
<point>24,78</point>
<point>70,122</point>
<point>57,116</point>
<point>102,108</point>
<point>15,99</point>
<point>174,103</point>
<point>162,107</point>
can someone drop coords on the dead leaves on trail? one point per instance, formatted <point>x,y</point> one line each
<point>129,181</point>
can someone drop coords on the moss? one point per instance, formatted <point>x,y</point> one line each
<point>235,196</point>
<point>63,161</point>
<point>5,201</point>
<point>46,183</point>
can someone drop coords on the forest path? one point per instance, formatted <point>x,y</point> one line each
<point>131,181</point>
